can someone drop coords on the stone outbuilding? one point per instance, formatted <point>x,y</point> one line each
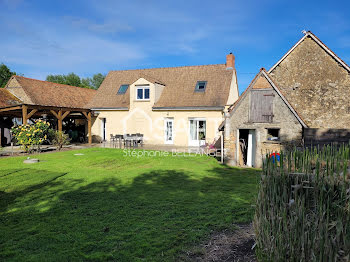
<point>302,100</point>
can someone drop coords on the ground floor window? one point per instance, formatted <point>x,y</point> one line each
<point>273,134</point>
<point>169,130</point>
<point>197,132</point>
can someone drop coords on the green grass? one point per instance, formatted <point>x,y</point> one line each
<point>105,206</point>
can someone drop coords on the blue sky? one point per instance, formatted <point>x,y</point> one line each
<point>88,37</point>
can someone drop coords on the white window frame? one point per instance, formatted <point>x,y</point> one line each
<point>198,142</point>
<point>166,120</point>
<point>143,93</point>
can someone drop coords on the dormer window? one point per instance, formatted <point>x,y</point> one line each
<point>122,89</point>
<point>200,86</point>
<point>142,92</point>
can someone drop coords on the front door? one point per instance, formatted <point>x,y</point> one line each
<point>197,136</point>
<point>169,130</point>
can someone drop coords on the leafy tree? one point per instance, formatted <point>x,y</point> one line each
<point>86,82</point>
<point>97,80</point>
<point>59,79</point>
<point>74,80</point>
<point>5,75</point>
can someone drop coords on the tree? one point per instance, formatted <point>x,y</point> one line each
<point>5,75</point>
<point>59,79</point>
<point>86,82</point>
<point>97,80</point>
<point>74,80</point>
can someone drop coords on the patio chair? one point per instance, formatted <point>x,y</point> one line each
<point>127,140</point>
<point>119,140</point>
<point>112,139</point>
<point>140,139</point>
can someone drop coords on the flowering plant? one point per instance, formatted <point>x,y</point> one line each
<point>30,135</point>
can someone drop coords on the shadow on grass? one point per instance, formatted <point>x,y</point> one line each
<point>158,215</point>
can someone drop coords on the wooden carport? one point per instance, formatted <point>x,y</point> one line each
<point>28,98</point>
<point>36,111</point>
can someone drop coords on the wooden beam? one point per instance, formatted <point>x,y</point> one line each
<point>89,127</point>
<point>24,115</point>
<point>85,114</point>
<point>32,113</point>
<point>10,108</point>
<point>54,113</point>
<point>65,114</point>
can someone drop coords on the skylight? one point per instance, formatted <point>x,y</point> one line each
<point>200,86</point>
<point>123,89</point>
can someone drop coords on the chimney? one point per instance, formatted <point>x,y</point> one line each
<point>230,61</point>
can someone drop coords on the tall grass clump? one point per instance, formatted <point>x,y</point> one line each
<point>303,206</point>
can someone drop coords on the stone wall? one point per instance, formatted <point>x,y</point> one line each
<point>316,85</point>
<point>284,119</point>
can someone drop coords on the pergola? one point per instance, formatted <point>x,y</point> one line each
<point>27,112</point>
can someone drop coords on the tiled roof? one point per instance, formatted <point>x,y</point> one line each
<point>7,99</point>
<point>51,94</point>
<point>179,86</point>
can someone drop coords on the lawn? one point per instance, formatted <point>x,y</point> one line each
<point>104,206</point>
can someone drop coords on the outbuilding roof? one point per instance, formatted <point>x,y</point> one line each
<point>44,93</point>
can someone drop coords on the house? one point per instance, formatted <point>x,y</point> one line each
<point>28,99</point>
<point>179,106</point>
<point>302,100</point>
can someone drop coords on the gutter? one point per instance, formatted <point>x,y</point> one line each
<point>111,109</point>
<point>190,108</point>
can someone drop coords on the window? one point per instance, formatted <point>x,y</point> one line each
<point>122,89</point>
<point>200,86</point>
<point>142,93</point>
<point>273,134</point>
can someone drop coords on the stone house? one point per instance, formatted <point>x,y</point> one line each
<point>305,92</point>
<point>176,106</point>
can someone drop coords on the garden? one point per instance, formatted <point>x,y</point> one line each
<point>97,204</point>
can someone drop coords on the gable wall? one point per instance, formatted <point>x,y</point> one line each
<point>290,129</point>
<point>315,85</point>
<point>15,88</point>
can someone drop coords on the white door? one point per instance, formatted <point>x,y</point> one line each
<point>169,130</point>
<point>197,135</point>
<point>103,129</point>
<point>251,148</point>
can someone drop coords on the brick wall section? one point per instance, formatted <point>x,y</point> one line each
<point>290,130</point>
<point>316,85</point>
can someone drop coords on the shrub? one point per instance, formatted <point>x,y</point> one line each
<point>59,139</point>
<point>29,136</point>
<point>303,207</point>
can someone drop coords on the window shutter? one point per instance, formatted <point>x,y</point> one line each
<point>261,106</point>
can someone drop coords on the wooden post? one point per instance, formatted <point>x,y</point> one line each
<point>89,119</point>
<point>24,114</point>
<point>89,128</point>
<point>60,120</point>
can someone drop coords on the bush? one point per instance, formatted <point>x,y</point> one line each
<point>59,139</point>
<point>303,207</point>
<point>29,136</point>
